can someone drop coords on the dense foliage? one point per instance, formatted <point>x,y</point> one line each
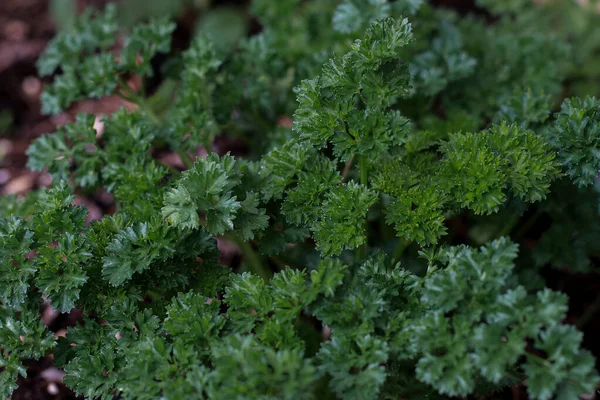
<point>353,283</point>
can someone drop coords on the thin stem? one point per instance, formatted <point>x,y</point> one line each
<point>528,224</point>
<point>364,172</point>
<point>280,263</point>
<point>508,226</point>
<point>400,248</point>
<point>185,158</point>
<point>361,252</point>
<point>171,168</point>
<point>148,110</point>
<point>133,97</point>
<point>515,392</point>
<point>208,144</point>
<point>588,314</point>
<point>142,87</point>
<point>347,169</point>
<point>362,98</point>
<point>252,260</point>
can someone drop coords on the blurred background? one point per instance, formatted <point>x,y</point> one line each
<point>26,26</point>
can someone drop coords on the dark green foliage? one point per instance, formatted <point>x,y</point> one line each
<point>193,122</point>
<point>339,225</point>
<point>396,136</point>
<point>205,188</point>
<point>87,73</point>
<point>576,137</point>
<point>347,103</point>
<point>573,236</point>
<point>351,15</point>
<point>24,336</point>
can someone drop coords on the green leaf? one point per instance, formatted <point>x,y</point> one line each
<point>16,268</point>
<point>251,218</point>
<point>206,188</point>
<point>417,215</point>
<point>279,167</point>
<point>204,312</point>
<point>565,366</point>
<point>262,371</point>
<point>135,249</point>
<point>351,16</point>
<point>74,144</point>
<point>355,367</point>
<point>24,335</point>
<point>12,368</point>
<point>530,163</point>
<point>474,173</point>
<point>61,274</point>
<point>145,42</point>
<point>576,138</point>
<point>301,205</point>
<point>341,223</point>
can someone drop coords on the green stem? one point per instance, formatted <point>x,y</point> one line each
<point>588,314</point>
<point>209,141</point>
<point>528,224</point>
<point>508,226</point>
<point>185,158</point>
<point>171,168</point>
<point>400,248</point>
<point>363,165</point>
<point>361,252</point>
<point>148,110</point>
<point>347,169</point>
<point>280,263</point>
<point>252,260</point>
<point>130,95</point>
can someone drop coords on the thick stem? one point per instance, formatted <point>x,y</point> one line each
<point>148,110</point>
<point>361,252</point>
<point>252,260</point>
<point>363,165</point>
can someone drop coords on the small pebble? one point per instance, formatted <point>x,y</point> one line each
<point>20,184</point>
<point>53,374</point>
<point>52,388</point>
<point>98,126</point>
<point>32,87</point>
<point>4,176</point>
<point>16,30</point>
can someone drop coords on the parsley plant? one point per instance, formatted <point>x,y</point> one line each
<point>354,283</point>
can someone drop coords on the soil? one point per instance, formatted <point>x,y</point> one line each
<point>26,26</point>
